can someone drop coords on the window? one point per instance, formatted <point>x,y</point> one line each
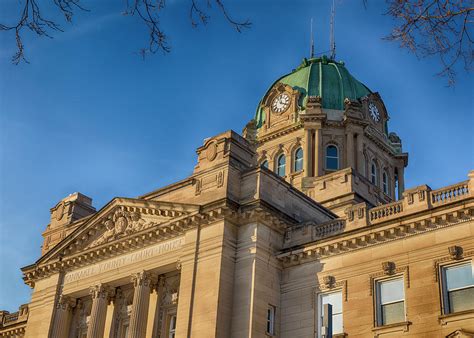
<point>396,184</point>
<point>298,160</point>
<point>271,320</point>
<point>458,288</point>
<point>335,299</point>
<point>172,326</point>
<point>385,183</point>
<point>373,173</point>
<point>390,301</point>
<point>264,164</point>
<point>332,158</point>
<point>281,164</point>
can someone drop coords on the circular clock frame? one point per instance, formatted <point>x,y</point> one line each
<point>281,103</point>
<point>374,112</point>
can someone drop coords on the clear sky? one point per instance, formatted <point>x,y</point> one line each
<point>88,114</point>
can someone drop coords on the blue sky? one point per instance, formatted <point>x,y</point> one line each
<point>88,114</point>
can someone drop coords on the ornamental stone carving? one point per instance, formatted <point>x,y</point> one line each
<point>388,268</point>
<point>101,291</point>
<point>65,303</point>
<point>121,223</point>
<point>143,278</point>
<point>455,252</point>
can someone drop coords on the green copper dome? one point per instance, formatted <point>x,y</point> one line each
<point>322,77</point>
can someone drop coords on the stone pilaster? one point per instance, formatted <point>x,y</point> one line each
<point>100,294</point>
<point>308,153</point>
<point>142,282</point>
<point>62,318</point>
<point>318,153</point>
<point>350,151</point>
<point>401,182</point>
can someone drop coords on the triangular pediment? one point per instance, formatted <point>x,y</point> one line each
<point>120,218</point>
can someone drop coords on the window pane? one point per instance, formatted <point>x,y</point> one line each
<point>331,163</point>
<point>337,323</point>
<point>331,151</point>
<point>461,300</point>
<point>391,291</point>
<point>264,164</point>
<point>393,313</point>
<point>459,276</point>
<point>335,299</point>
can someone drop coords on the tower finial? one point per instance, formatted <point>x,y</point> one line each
<point>312,41</point>
<point>332,40</point>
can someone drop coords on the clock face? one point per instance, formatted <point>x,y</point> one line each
<point>281,103</point>
<point>374,112</point>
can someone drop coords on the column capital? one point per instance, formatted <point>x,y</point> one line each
<point>143,278</point>
<point>65,302</point>
<point>101,291</point>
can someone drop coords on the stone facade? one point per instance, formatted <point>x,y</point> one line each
<point>241,250</point>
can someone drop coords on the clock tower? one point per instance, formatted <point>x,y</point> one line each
<point>327,134</point>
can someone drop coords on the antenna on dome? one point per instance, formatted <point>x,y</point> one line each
<point>312,41</point>
<point>332,40</point>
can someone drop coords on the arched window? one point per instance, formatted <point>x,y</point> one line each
<point>264,164</point>
<point>298,166</point>
<point>373,173</point>
<point>281,164</point>
<point>385,183</point>
<point>332,158</point>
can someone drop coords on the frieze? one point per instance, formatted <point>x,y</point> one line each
<point>124,260</point>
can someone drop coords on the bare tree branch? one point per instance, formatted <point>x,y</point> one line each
<point>148,11</point>
<point>441,28</point>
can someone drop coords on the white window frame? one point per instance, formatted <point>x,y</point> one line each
<point>319,319</point>
<point>374,173</point>
<point>446,307</point>
<point>385,183</point>
<point>377,301</point>
<point>271,319</point>
<point>332,157</point>
<point>277,167</point>
<point>169,331</point>
<point>295,161</point>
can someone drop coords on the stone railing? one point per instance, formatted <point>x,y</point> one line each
<point>327,229</point>
<point>451,193</point>
<point>9,319</point>
<point>386,210</point>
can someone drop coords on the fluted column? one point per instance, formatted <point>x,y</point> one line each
<point>142,282</point>
<point>318,153</point>
<point>100,294</point>
<point>308,153</point>
<point>360,155</point>
<point>62,317</point>
<point>350,150</point>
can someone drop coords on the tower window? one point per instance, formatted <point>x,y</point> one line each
<point>264,164</point>
<point>385,183</point>
<point>332,158</point>
<point>281,165</point>
<point>373,173</point>
<point>271,311</point>
<point>298,166</point>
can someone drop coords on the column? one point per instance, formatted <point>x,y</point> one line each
<point>62,318</point>
<point>318,151</point>
<point>308,153</point>
<point>401,182</point>
<point>360,154</point>
<point>142,282</point>
<point>154,308</point>
<point>350,151</point>
<point>100,294</point>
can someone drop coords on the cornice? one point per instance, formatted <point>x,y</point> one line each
<point>364,237</point>
<point>278,133</point>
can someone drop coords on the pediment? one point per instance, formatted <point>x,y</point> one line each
<point>120,218</point>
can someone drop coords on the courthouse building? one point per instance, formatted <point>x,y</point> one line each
<point>307,207</point>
